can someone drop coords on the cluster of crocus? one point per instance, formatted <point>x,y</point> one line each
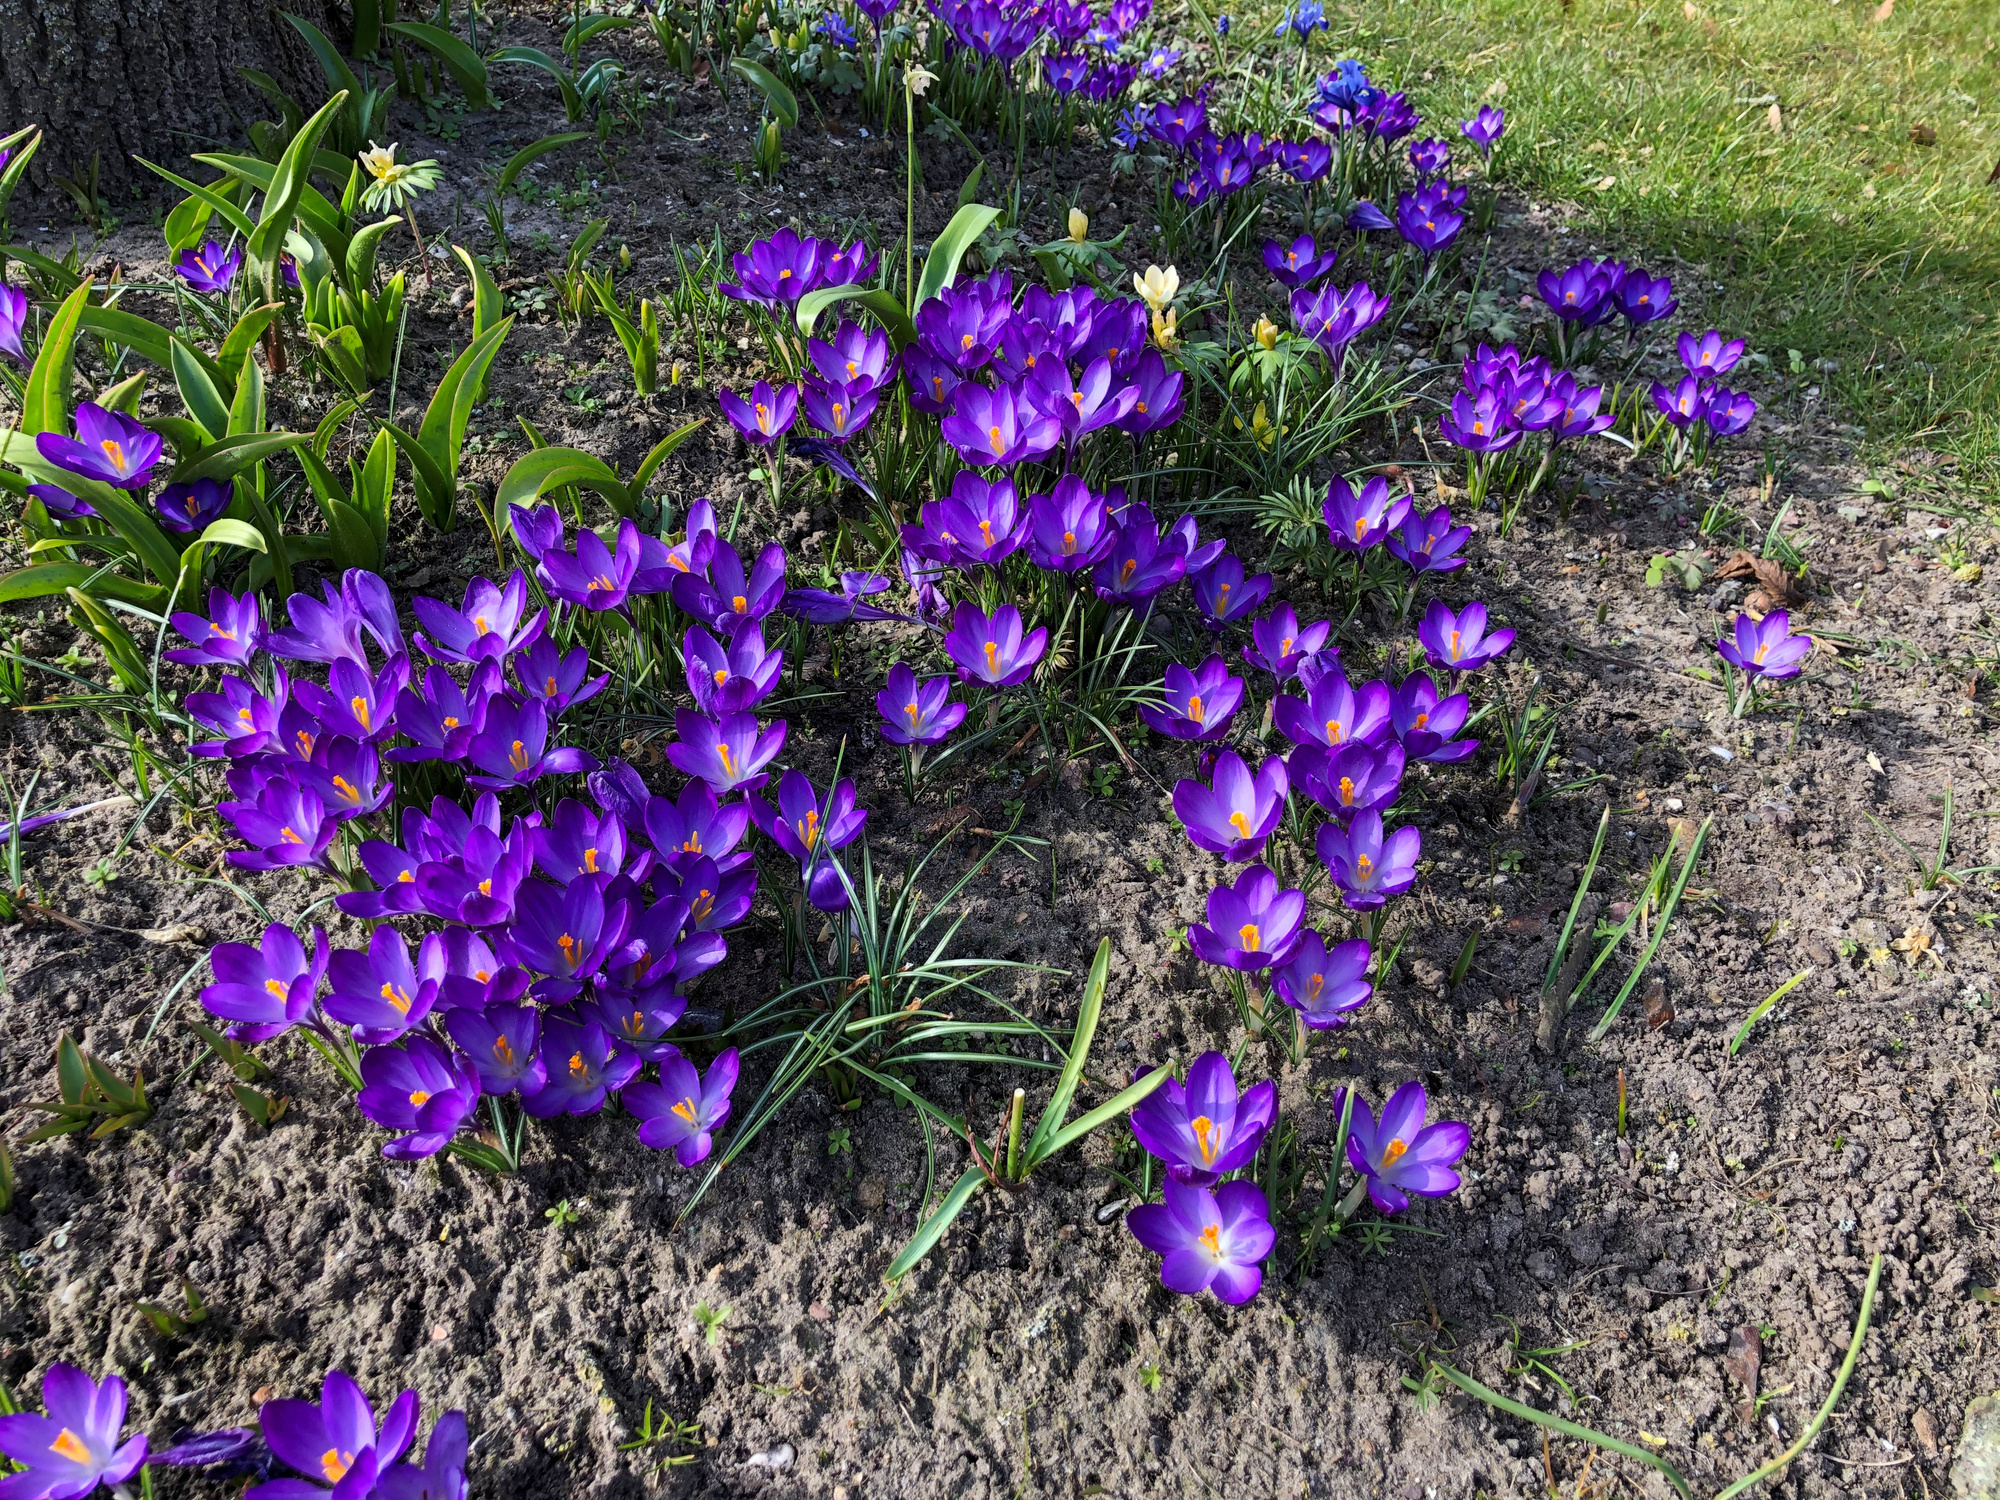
<point>1699,399</point>
<point>1591,293</point>
<point>1503,397</point>
<point>1349,104</point>
<point>776,272</point>
<point>1212,167</point>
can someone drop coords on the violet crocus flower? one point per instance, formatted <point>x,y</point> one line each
<point>331,627</point>
<point>1160,400</point>
<point>72,1449</point>
<point>1709,353</point>
<point>1223,594</point>
<point>766,416</point>
<point>109,447</point>
<point>737,676</point>
<point>536,529</point>
<point>1333,714</point>
<point>212,268</point>
<point>554,678</point>
<point>1069,528</point>
<point>1299,264</point>
<point>1460,642</point>
<point>1428,543</point>
<point>1358,777</point>
<point>715,901</point>
<point>1365,218</point>
<point>1303,161</point>
<point>512,750</point>
<point>1333,319</point>
<point>1359,520</point>
<point>683,1110</point>
<point>264,991</point>
<point>355,702</point>
<point>566,932</point>
<point>1236,812</point>
<point>1643,298</point>
<point>1579,294</point>
<point>777,271</point>
<point>696,826</point>
<point>803,825</point>
<point>186,509</point>
<point>979,524</point>
<point>932,379</point>
<point>1279,643</point>
<point>594,577</point>
<point>1399,1154</point>
<point>1251,924</point>
<point>1202,1131</point>
<point>1766,648</point>
<point>336,1441</point>
<point>59,502</point>
<point>1425,225</point>
<point>286,825</point>
<point>421,1090</point>
<point>841,412</point>
<point>501,1043</point>
<point>992,651</point>
<point>917,713</point>
<point>825,607</point>
<point>1729,412</point>
<point>1479,423</point>
<point>730,592</point>
<point>248,721</point>
<point>1324,985</point>
<point>1140,563</point>
<point>1425,723</point>
<point>1094,401</point>
<point>961,326</point>
<point>1198,704</point>
<point>232,635</point>
<point>489,625</point>
<point>13,321</point>
<point>998,428</point>
<point>582,1065</point>
<point>856,356</point>
<point>1485,129</point>
<point>1580,415</point>
<point>443,718</point>
<point>381,992</point>
<point>1430,158</point>
<point>1683,404</point>
<point>1209,1241</point>
<point>442,1476</point>
<point>1367,868</point>
<point>729,754</point>
<point>578,843</point>
<point>347,774</point>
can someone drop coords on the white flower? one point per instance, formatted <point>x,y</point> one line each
<point>1157,286</point>
<point>917,78</point>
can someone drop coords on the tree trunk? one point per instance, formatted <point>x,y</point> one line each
<point>153,78</point>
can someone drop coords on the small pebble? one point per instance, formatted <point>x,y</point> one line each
<point>778,1456</point>
<point>1107,1213</point>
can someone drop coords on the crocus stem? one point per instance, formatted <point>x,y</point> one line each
<point>910,205</point>
<point>1014,1135</point>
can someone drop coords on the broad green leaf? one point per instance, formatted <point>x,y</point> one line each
<point>361,252</point>
<point>459,60</point>
<point>122,654</point>
<point>242,339</point>
<point>932,1230</point>
<point>437,493</point>
<point>784,103</point>
<point>443,429</point>
<point>281,198</point>
<point>231,456</point>
<point>45,405</point>
<point>373,486</point>
<point>331,423</point>
<point>551,468</point>
<point>198,393</point>
<point>367,26</point>
<point>1105,1113</point>
<point>339,76</point>
<point>521,160</point>
<point>246,411</point>
<point>231,214</point>
<point>941,265</point>
<point>888,311</point>
<point>662,451</point>
<point>488,306</point>
<point>578,34</point>
<point>124,396</point>
<point>184,435</point>
<point>142,336</point>
<point>187,225</point>
<point>326,222</point>
<point>45,580</point>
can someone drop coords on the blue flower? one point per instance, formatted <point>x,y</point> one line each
<point>835,28</point>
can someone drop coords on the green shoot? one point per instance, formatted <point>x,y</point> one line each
<point>1659,930</point>
<point>90,1093</point>
<point>1763,1008</point>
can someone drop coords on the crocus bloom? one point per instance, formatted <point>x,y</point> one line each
<point>1643,298</point>
<point>1251,925</point>
<point>1430,157</point>
<point>555,678</point>
<point>286,825</point>
<point>1223,594</point>
<point>695,826</point>
<point>1729,412</point>
<point>381,991</point>
<point>1709,354</point>
<point>1332,713</point>
<point>1366,217</point>
<point>1479,422</point>
<point>1069,528</point>
<point>1485,128</point>
<point>512,750</point>
<point>1580,415</point>
<point>419,1089</point>
<point>109,447</point>
<point>1766,647</point>
<point>1399,1154</point>
<point>1082,406</point>
<point>211,268</point>
<point>59,502</point>
<point>993,652</point>
<point>1279,643</point>
<point>593,577</point>
<point>998,428</point>
<point>740,675</point>
<point>1459,642</point>
<point>1324,984</point>
<point>566,932</point>
<point>1236,812</point>
<point>1358,521</point>
<point>1358,777</point>
<point>1140,563</point>
<point>1334,319</point>
<point>1428,543</point>
<point>1303,161</point>
<point>334,1440</point>
<point>714,900</point>
<point>188,508</point>
<point>825,607</point>
<point>730,753</point>
<point>536,529</point>
<point>582,1065</point>
<point>766,416</point>
<point>839,411</point>
<point>267,989</point>
<point>1367,868</point>
<point>356,702</point>
<point>777,270</point>
<point>13,319</point>
<point>1203,1131</point>
<point>331,627</point>
<point>73,1449</point>
<point>488,626</point>
<point>578,843</point>
<point>501,1043</point>
<point>1425,723</point>
<point>730,592</point>
<point>1579,294</point>
<point>248,721</point>
<point>804,826</point>
<point>347,774</point>
<point>442,1476</point>
<point>917,713</point>
<point>856,356</point>
<point>1684,403</point>
<point>1299,264</point>
<point>1159,402</point>
<point>979,524</point>
<point>683,1110</point>
<point>961,326</point>
<point>444,717</point>
<point>1425,225</point>
<point>1199,704</point>
<point>232,635</point>
<point>932,378</point>
<point>1210,1241</point>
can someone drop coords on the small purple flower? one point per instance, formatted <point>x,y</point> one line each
<point>232,635</point>
<point>1365,218</point>
<point>1729,412</point>
<point>1430,158</point>
<point>766,416</point>
<point>1643,298</point>
<point>422,1091</point>
<point>1766,648</point>
<point>1425,723</point>
<point>979,524</point>
<point>1359,777</point>
<point>1399,1154</point>
<point>73,1449</point>
<point>802,825</point>
<point>1236,812</point>
<point>1160,399</point>
<point>696,826</point>
<point>1685,403</point>
<point>578,843</point>
<point>1367,868</point>
<point>1357,521</point>
<point>777,271</point>
<point>1279,643</point>
<point>1332,714</point>
<point>1069,528</point>
<point>489,625</point>
<point>1580,294</point>
<point>381,991</point>
<point>536,529</point>
<point>1210,1241</point>
<point>729,754</point>
<point>60,503</point>
<point>1086,405</point>
<point>212,268</point>
<point>1485,129</point>
<point>1160,62</point>
<point>331,628</point>
<point>1303,161</point>
<point>1479,423</point>
<point>683,1110</point>
<point>13,322</point>
<point>555,678</point>
<point>347,775</point>
<point>566,932</point>
<point>356,702</point>
<point>442,1476</point>
<point>593,577</point>
<point>1180,122</point>
<point>336,1441</point>
<point>993,652</point>
<point>1223,594</point>
<point>1459,642</point>
<point>1710,353</point>
<point>1065,72</point>
<point>1199,704</point>
<point>501,1043</point>
<point>1580,415</point>
<point>1140,563</point>
<point>730,593</point>
<point>512,750</point>
<point>1251,925</point>
<point>841,412</point>
<point>286,824</point>
<point>582,1066</point>
<point>1298,265</point>
<point>998,428</point>
<point>1428,543</point>
<point>1333,319</point>
<point>1426,225</point>
<point>109,447</point>
<point>248,721</point>
<point>824,607</point>
<point>856,356</point>
<point>917,713</point>
<point>266,990</point>
<point>443,718</point>
<point>1324,984</point>
<point>188,508</point>
<point>727,678</point>
<point>1203,1131</point>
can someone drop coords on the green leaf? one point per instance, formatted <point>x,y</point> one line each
<point>577,35</point>
<point>662,451</point>
<point>339,76</point>
<point>1106,1112</point>
<point>534,57</point>
<point>45,404</point>
<point>443,430</point>
<point>231,456</point>
<point>932,1230</point>
<point>281,198</point>
<point>52,271</point>
<point>551,468</point>
<point>22,145</point>
<point>1568,1429</point>
<point>198,393</point>
<point>520,161</point>
<point>784,104</point>
<point>437,492</point>
<point>71,1075</point>
<point>362,249</point>
<point>142,336</point>
<point>234,534</point>
<point>459,60</point>
<point>246,410</point>
<point>187,225</point>
<point>888,311</point>
<point>124,396</point>
<point>367,26</point>
<point>328,224</point>
<point>121,654</point>
<point>941,265</point>
<point>231,214</point>
<point>242,339</point>
<point>1057,1109</point>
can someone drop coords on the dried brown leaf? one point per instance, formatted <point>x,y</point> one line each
<point>1743,1359</point>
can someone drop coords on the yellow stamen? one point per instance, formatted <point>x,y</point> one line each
<point>577,1067</point>
<point>1194,707</point>
<point>420,1098</point>
<point>1393,1152</point>
<point>1206,1137</point>
<point>68,1445</point>
<point>1211,1240</point>
<point>504,1051</point>
<point>685,1109</point>
<point>518,756</point>
<point>1249,938</point>
<point>277,988</point>
<point>1347,791</point>
<point>1241,823</point>
<point>992,659</point>
<point>568,944</point>
<point>396,998</point>
<point>335,1464</point>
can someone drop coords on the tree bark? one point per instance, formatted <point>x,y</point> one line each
<point>152,78</point>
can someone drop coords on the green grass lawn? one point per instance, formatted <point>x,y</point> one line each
<point>1825,163</point>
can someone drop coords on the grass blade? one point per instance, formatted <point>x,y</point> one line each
<point>932,1230</point>
<point>1572,1429</point>
<point>1659,931</point>
<point>1072,1074</point>
<point>1764,1005</point>
<point>1575,906</point>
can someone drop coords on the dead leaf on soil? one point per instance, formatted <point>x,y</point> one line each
<point>1769,573</point>
<point>1683,830</point>
<point>1743,1359</point>
<point>1923,135</point>
<point>1885,10</point>
<point>1659,1009</point>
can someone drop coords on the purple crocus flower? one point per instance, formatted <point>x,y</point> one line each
<point>594,577</point>
<point>683,1110</point>
<point>715,901</point>
<point>1223,594</point>
<point>212,268</point>
<point>993,651</point>
<point>824,607</point>
<point>1358,777</point>
<point>286,824</point>
<point>232,635</point>
<point>1324,984</point>
<point>1425,723</point>
<point>839,411</point>
<point>266,990</point>
<point>1399,1154</point>
<point>420,1089</point>
<point>856,356</point>
<point>1710,353</point>
<point>248,721</point>
<point>488,626</point>
<point>696,826</point>
<point>536,529</point>
<point>1580,294</point>
<point>442,1476</point>
<point>337,1441</point>
<point>1199,704</point>
<point>1485,129</point>
<point>1643,298</point>
<point>188,508</point>
<point>1729,412</point>
<point>582,1065</point>
<point>1065,72</point>
<point>1333,714</point>
<point>917,713</point>
<point>1426,225</point>
<point>1160,400</point>
<point>347,775</point>
<point>501,1043</point>
<point>1333,319</point>
<point>109,447</point>
<point>1086,405</point>
<point>1430,158</point>
<point>1357,521</point>
<point>1140,563</point>
<point>13,319</point>
<point>1683,404</point>
<point>979,524</point>
<point>1300,264</point>
<point>730,593</point>
<point>1580,415</point>
<point>766,416</point>
<point>444,717</point>
<point>566,932</point>
<point>804,826</point>
<point>1367,868</point>
<point>998,428</point>
<point>727,678</point>
<point>330,628</point>
<point>381,992</point>
<point>512,750</point>
<point>1303,161</point>
<point>356,702</point>
<point>1251,925</point>
<point>1459,642</point>
<point>1766,647</point>
<point>1237,811</point>
<point>932,379</point>
<point>59,502</point>
<point>1180,122</point>
<point>961,327</point>
<point>729,754</point>
<point>555,678</point>
<point>1279,643</point>
<point>1210,1241</point>
<point>1203,1131</point>
<point>1428,543</point>
<point>777,271</point>
<point>578,843</point>
<point>1479,423</point>
<point>74,1448</point>
<point>1069,528</point>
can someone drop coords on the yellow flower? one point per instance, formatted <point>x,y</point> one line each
<point>1157,287</point>
<point>1266,333</point>
<point>917,78</point>
<point>1165,334</point>
<point>379,161</point>
<point>1262,431</point>
<point>1079,225</point>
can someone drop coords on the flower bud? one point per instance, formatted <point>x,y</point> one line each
<point>1079,225</point>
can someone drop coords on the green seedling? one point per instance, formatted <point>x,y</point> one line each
<point>90,1093</point>
<point>173,1322</point>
